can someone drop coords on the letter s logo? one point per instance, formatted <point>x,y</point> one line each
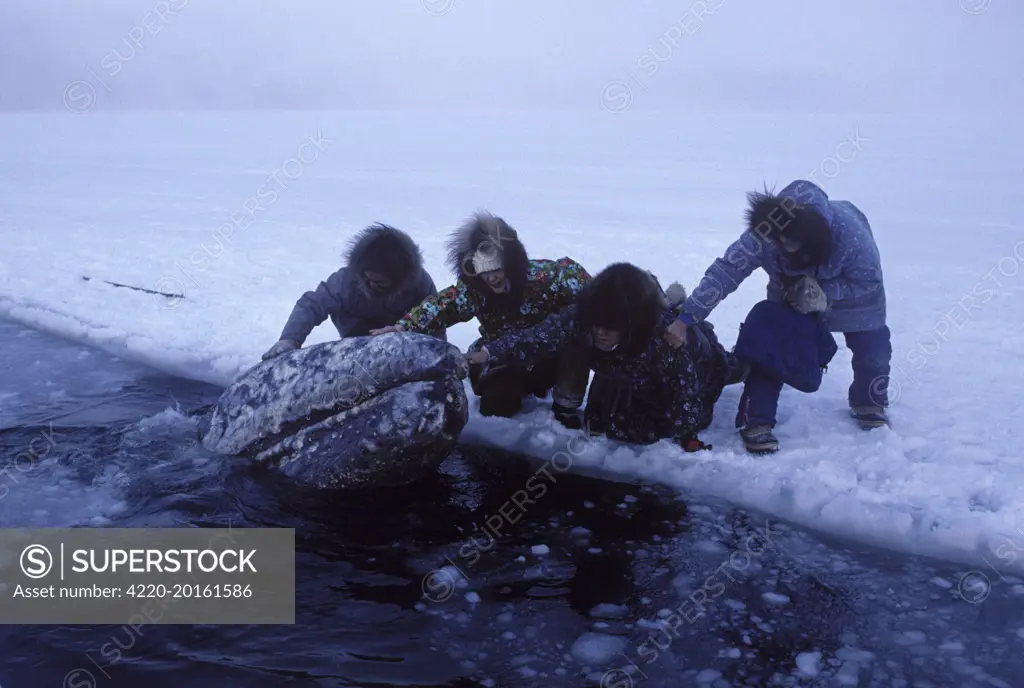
<point>36,561</point>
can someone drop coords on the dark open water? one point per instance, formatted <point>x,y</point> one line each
<point>595,584</point>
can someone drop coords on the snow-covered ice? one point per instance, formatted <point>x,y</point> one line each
<point>708,675</point>
<point>214,206</point>
<point>597,648</point>
<point>775,598</point>
<point>807,663</point>
<point>609,611</point>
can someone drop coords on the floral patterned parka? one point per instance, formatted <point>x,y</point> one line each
<point>551,285</point>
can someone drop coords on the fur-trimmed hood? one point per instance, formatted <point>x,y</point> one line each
<point>388,250</point>
<point>626,298</point>
<point>494,235</point>
<point>800,212</point>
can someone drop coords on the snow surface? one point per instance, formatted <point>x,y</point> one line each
<point>138,199</point>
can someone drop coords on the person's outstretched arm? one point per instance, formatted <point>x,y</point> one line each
<point>440,311</point>
<point>724,276</point>
<point>532,343</point>
<point>316,306</point>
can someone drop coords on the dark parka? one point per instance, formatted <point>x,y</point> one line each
<point>644,390</point>
<point>353,310</point>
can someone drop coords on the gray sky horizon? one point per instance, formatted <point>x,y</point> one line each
<point>482,54</point>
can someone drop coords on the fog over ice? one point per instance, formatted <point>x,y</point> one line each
<point>745,54</point>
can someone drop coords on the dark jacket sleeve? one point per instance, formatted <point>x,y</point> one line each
<point>680,388</point>
<point>529,344</point>
<point>314,307</point>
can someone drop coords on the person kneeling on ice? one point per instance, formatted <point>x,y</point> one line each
<point>505,290</point>
<point>644,390</point>
<point>384,277</point>
<point>821,257</point>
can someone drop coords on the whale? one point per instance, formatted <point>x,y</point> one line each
<point>357,412</point>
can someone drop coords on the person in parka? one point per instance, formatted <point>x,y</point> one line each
<point>382,279</point>
<point>505,290</point>
<point>821,257</point>
<point>644,390</point>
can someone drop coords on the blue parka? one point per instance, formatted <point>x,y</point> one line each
<point>851,277</point>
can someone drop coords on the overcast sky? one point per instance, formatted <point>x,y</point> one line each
<point>915,54</point>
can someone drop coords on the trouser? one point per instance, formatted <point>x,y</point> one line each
<point>871,356</point>
<point>502,388</point>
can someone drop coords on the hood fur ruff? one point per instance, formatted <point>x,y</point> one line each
<point>493,234</point>
<point>388,250</point>
<point>799,215</point>
<point>626,298</point>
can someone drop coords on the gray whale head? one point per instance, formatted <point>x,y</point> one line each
<point>358,412</point>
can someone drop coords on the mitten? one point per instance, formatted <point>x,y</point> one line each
<point>807,296</point>
<point>694,446</point>
<point>281,347</point>
<point>676,295</point>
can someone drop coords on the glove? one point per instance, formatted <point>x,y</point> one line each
<point>478,357</point>
<point>676,295</point>
<point>675,334</point>
<point>807,296</point>
<point>694,446</point>
<point>281,347</point>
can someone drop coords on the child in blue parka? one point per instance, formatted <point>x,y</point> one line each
<point>820,256</point>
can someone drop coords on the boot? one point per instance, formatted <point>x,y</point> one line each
<point>501,404</point>
<point>759,439</point>
<point>869,417</point>
<point>594,424</point>
<point>567,416</point>
<point>501,391</point>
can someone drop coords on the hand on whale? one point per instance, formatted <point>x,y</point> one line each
<point>355,412</point>
<point>388,328</point>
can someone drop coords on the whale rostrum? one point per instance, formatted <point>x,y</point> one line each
<point>355,412</point>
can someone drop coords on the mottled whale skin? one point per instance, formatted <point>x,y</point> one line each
<point>357,412</point>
